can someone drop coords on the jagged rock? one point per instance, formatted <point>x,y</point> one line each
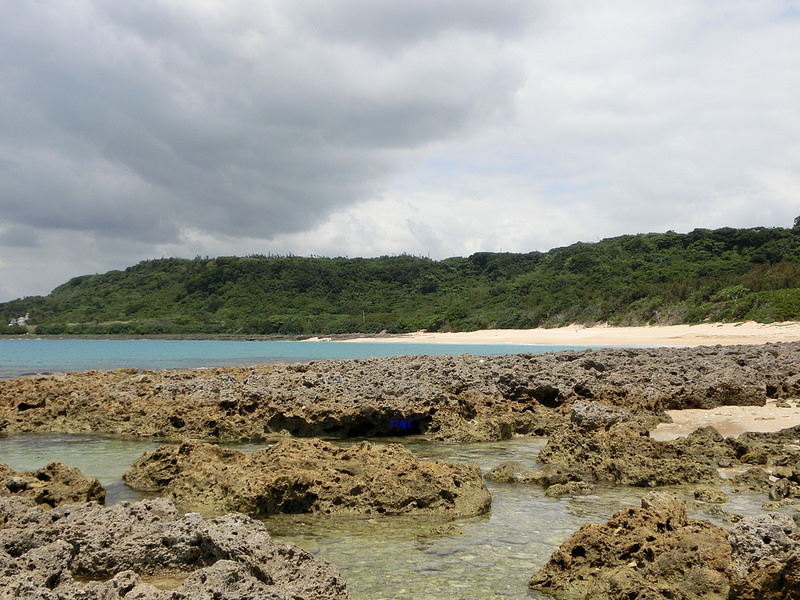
<point>511,471</point>
<point>452,427</point>
<point>649,552</point>
<point>360,398</point>
<point>765,562</point>
<point>52,485</point>
<point>89,552</point>
<point>624,454</point>
<point>711,496</point>
<point>776,449</point>
<point>780,489</point>
<point>589,416</point>
<point>753,479</point>
<point>310,475</point>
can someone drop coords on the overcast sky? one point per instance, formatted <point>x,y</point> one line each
<point>149,128</point>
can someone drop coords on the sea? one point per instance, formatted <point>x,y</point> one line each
<point>28,356</point>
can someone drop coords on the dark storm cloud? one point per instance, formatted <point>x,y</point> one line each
<point>142,119</point>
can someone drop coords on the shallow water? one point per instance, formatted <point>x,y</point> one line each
<point>27,356</point>
<point>487,557</point>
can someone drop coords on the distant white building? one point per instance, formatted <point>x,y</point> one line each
<point>19,321</point>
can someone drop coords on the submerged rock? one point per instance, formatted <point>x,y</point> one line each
<point>311,476</point>
<point>517,472</point>
<point>650,552</point>
<point>52,485</point>
<point>145,551</point>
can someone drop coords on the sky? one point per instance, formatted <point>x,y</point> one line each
<point>157,128</point>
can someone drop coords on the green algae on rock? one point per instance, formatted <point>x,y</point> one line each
<point>311,476</point>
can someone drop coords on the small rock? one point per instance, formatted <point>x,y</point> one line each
<point>711,496</point>
<point>571,488</point>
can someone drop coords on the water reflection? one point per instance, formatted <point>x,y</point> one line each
<point>487,557</point>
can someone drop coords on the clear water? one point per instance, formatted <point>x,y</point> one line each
<point>487,557</point>
<point>29,355</point>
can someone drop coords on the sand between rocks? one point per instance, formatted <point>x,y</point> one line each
<point>730,421</point>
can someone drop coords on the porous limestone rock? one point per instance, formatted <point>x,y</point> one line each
<point>311,476</point>
<point>146,551</point>
<point>52,485</point>
<point>611,445</point>
<point>650,552</point>
<point>466,398</point>
<point>765,563</point>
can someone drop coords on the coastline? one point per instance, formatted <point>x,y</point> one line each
<point>703,334</point>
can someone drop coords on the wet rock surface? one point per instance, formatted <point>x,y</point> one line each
<point>465,398</point>
<point>650,552</point>
<point>52,485</point>
<point>311,476</point>
<point>145,551</point>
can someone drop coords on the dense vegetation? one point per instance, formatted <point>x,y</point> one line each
<point>717,275</point>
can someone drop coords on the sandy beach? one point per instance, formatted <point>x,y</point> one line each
<point>704,334</point>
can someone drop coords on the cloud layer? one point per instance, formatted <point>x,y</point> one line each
<point>141,129</point>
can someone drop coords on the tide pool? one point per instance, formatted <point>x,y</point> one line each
<point>20,357</point>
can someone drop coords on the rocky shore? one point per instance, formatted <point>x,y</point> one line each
<point>52,485</point>
<point>657,552</point>
<point>311,476</point>
<point>465,398</point>
<point>147,551</point>
<point>596,407</point>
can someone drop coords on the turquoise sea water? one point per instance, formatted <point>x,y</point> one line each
<point>28,356</point>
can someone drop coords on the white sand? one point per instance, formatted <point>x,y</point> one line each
<point>578,335</point>
<point>730,421</point>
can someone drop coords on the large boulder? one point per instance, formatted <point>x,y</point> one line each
<point>650,552</point>
<point>145,551</point>
<point>311,476</point>
<point>52,485</point>
<point>765,562</point>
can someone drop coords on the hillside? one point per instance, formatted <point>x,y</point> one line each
<point>718,275</point>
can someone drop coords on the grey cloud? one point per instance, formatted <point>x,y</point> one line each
<point>242,123</point>
<point>395,25</point>
<point>19,237</point>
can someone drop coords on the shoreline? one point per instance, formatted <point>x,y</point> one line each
<point>703,334</point>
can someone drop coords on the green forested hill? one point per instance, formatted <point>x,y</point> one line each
<point>718,275</point>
